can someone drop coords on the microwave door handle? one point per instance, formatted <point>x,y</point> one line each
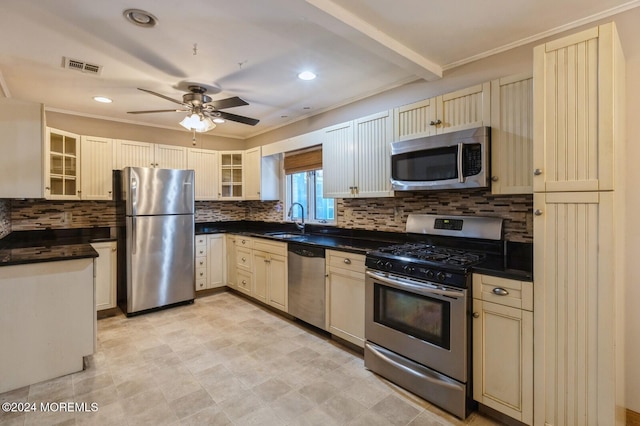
<point>460,174</point>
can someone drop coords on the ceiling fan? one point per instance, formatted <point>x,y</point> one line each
<point>202,109</point>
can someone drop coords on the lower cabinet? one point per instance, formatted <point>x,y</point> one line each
<point>230,252</point>
<point>503,345</point>
<point>209,266</point>
<point>270,273</point>
<point>106,274</point>
<point>345,283</point>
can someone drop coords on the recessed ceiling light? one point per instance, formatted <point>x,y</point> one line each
<point>218,120</point>
<point>102,99</point>
<point>140,18</point>
<point>306,75</point>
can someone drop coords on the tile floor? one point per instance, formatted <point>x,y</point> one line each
<point>223,361</point>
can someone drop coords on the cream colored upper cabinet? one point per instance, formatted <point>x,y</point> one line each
<point>356,158</point>
<point>22,137</point>
<point>170,157</point>
<point>62,166</point>
<point>97,166</point>
<point>463,109</point>
<point>231,180</point>
<point>459,110</point>
<point>338,158</point>
<point>261,175</point>
<point>373,135</point>
<point>204,162</point>
<point>512,135</point>
<point>577,93</point>
<point>134,154</point>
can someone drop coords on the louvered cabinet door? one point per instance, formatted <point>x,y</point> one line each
<point>338,159</point>
<point>414,120</point>
<point>134,154</point>
<point>512,135</point>
<point>575,311</point>
<point>97,168</point>
<point>373,136</point>
<point>577,92</point>
<point>170,157</point>
<point>464,109</point>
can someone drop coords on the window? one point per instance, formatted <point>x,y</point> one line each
<point>306,188</point>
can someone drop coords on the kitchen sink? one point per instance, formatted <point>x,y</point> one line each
<point>286,235</point>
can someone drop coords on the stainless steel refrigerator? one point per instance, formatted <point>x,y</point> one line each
<point>157,239</point>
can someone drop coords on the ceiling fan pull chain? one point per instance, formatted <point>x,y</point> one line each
<point>193,140</point>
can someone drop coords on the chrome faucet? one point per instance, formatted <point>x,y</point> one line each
<point>300,225</point>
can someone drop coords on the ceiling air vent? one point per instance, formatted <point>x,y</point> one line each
<point>74,64</point>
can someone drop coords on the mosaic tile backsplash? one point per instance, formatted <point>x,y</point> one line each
<point>382,214</point>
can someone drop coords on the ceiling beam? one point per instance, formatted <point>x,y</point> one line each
<point>379,42</point>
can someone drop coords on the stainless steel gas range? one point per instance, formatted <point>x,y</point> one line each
<point>418,307</point>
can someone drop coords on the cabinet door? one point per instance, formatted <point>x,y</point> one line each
<point>170,157</point>
<point>22,137</point>
<point>105,272</point>
<point>338,161</point>
<point>134,154</point>
<point>373,155</point>
<point>97,168</point>
<point>230,251</point>
<point>574,302</point>
<point>62,166</point>
<point>576,95</point>
<point>345,295</point>
<point>252,174</point>
<point>512,135</point>
<point>205,165</point>
<point>231,175</point>
<point>414,120</point>
<point>215,259</point>
<point>260,275</point>
<point>278,291</point>
<point>464,109</point>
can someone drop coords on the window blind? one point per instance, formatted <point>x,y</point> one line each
<point>303,160</point>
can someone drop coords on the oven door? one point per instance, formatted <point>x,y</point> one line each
<point>424,322</point>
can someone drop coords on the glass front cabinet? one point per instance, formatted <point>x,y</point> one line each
<point>62,172</point>
<point>231,182</point>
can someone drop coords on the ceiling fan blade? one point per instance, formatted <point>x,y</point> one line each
<point>162,96</point>
<point>158,110</point>
<point>227,103</point>
<point>234,117</point>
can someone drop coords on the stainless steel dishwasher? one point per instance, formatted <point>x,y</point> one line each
<point>307,284</point>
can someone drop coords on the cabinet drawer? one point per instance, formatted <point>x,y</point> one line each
<point>201,262</point>
<point>201,240</point>
<point>345,260</point>
<point>244,242</point>
<point>244,281</point>
<point>243,258</point>
<point>201,273</point>
<point>201,284</point>
<point>503,291</point>
<point>201,251</point>
<point>270,247</point>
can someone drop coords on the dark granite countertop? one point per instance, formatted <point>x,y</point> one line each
<point>517,263</point>
<point>50,245</point>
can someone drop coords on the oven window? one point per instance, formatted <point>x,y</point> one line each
<point>420,316</point>
<point>426,165</point>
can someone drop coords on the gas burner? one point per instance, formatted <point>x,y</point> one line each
<point>430,253</point>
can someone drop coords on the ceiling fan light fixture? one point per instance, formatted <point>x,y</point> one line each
<point>218,120</point>
<point>102,99</point>
<point>198,123</point>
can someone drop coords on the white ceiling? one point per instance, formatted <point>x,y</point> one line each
<point>254,49</point>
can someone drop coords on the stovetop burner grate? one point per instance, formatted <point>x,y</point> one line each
<point>431,253</point>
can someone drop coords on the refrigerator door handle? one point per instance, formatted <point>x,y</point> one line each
<point>134,240</point>
<point>134,193</point>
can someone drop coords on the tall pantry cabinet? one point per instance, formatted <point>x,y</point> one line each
<point>577,161</point>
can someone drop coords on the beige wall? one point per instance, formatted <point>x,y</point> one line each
<point>106,129</point>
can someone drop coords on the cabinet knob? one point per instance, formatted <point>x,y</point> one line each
<point>499,291</point>
<point>494,178</point>
<point>475,315</point>
<point>537,172</point>
<point>244,259</point>
<point>201,284</point>
<point>436,122</point>
<point>244,282</point>
<point>538,212</point>
<point>347,261</point>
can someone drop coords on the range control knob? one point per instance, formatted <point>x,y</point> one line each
<point>441,276</point>
<point>388,266</point>
<point>380,264</point>
<point>408,269</point>
<point>430,273</point>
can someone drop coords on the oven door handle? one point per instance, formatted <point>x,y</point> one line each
<point>403,284</point>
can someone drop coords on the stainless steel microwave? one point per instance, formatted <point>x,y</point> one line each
<point>453,160</point>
